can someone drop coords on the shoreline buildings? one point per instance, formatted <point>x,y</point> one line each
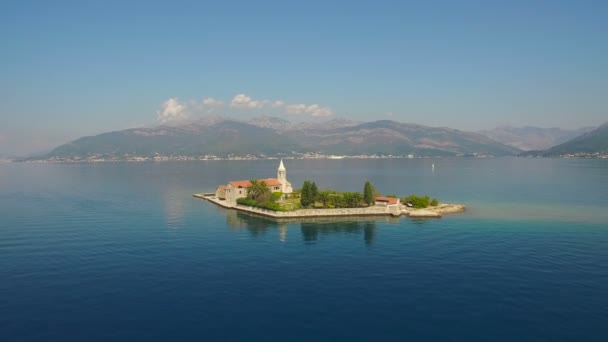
<point>238,189</point>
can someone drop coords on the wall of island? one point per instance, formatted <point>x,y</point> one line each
<point>374,210</point>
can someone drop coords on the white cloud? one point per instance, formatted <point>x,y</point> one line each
<point>172,111</point>
<point>245,101</point>
<point>211,102</point>
<point>313,110</point>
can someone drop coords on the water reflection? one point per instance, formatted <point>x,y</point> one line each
<point>312,230</point>
<point>175,207</point>
<point>256,225</point>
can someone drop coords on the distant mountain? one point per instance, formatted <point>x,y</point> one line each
<point>271,122</point>
<point>395,138</point>
<point>283,125</point>
<point>533,138</point>
<point>271,136</point>
<point>592,142</point>
<point>222,138</point>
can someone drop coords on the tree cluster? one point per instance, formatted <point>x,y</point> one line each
<point>259,195</point>
<point>419,201</point>
<point>310,196</point>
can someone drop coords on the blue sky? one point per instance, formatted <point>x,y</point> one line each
<point>73,68</point>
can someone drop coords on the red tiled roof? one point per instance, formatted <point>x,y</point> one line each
<point>388,200</point>
<point>221,187</point>
<point>240,184</point>
<point>247,184</point>
<point>272,182</point>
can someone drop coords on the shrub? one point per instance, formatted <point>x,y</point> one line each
<point>434,202</point>
<point>270,205</point>
<point>276,196</point>
<point>417,201</point>
<point>247,201</point>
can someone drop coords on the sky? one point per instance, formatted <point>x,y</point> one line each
<point>75,68</point>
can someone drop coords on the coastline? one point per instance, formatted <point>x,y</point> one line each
<point>376,210</point>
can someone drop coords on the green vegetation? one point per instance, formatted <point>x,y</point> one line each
<point>420,201</point>
<point>264,205</point>
<point>324,197</point>
<point>368,194</point>
<point>417,201</point>
<point>307,196</point>
<point>260,196</point>
<point>259,191</point>
<point>311,197</point>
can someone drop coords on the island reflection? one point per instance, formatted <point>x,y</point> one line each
<point>311,229</point>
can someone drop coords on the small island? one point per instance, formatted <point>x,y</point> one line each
<point>276,198</point>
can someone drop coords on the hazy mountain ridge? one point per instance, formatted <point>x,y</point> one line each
<point>269,136</point>
<point>224,137</point>
<point>533,138</point>
<point>282,125</point>
<point>595,141</point>
<point>391,137</point>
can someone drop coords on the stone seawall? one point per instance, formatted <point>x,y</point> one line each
<point>300,213</point>
<point>377,210</point>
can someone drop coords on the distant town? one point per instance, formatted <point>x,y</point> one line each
<point>99,158</point>
<point>158,158</point>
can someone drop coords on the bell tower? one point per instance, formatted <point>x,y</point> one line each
<point>282,173</point>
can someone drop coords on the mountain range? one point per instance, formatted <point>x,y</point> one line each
<point>533,138</point>
<point>270,136</point>
<point>593,142</point>
<point>222,137</point>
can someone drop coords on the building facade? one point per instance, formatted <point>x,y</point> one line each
<point>238,189</point>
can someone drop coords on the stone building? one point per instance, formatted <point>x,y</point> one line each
<point>238,189</point>
<point>388,202</point>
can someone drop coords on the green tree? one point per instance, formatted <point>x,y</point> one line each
<point>259,191</point>
<point>368,193</point>
<point>324,197</point>
<point>352,199</point>
<point>356,199</point>
<point>337,200</point>
<point>417,201</point>
<point>306,194</point>
<point>314,192</point>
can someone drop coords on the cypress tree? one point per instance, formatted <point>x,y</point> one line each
<point>368,193</point>
<point>314,193</point>
<point>305,199</point>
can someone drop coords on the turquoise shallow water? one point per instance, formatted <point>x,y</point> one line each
<point>123,252</point>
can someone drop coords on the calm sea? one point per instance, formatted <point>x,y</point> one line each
<point>122,252</point>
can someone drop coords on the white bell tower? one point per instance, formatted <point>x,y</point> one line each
<point>282,178</point>
<point>282,173</point>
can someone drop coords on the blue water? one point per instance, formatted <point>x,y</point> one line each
<point>122,252</point>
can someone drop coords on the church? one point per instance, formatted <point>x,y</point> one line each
<point>238,189</point>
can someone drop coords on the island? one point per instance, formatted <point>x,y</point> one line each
<point>276,198</point>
